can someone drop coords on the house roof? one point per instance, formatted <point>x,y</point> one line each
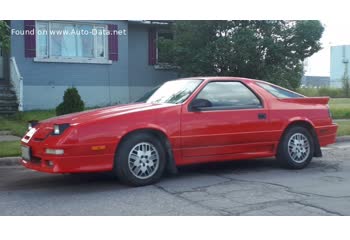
<point>151,22</point>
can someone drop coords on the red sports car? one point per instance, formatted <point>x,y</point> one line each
<point>185,121</point>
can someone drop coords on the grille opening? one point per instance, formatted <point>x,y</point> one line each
<point>36,160</point>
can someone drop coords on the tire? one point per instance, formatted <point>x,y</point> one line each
<point>135,163</point>
<point>296,148</point>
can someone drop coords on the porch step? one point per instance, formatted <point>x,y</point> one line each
<point>8,100</point>
<point>8,107</point>
<point>8,97</point>
<point>6,90</point>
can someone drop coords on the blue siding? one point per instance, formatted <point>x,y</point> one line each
<point>142,76</point>
<point>77,74</point>
<point>99,84</point>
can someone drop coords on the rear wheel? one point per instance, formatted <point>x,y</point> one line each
<point>296,148</point>
<point>140,160</point>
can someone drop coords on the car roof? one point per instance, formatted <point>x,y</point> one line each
<point>221,78</point>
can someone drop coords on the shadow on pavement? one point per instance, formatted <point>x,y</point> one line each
<point>31,180</point>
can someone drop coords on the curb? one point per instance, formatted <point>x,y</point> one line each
<point>9,161</point>
<point>343,139</point>
<point>12,161</point>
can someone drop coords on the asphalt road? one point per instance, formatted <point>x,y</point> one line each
<point>253,187</point>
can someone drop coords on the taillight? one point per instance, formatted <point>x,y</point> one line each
<point>329,111</point>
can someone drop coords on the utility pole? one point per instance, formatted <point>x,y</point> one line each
<point>346,84</point>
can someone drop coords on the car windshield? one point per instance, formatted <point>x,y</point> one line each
<point>175,92</point>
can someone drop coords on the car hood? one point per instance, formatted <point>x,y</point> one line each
<point>102,113</point>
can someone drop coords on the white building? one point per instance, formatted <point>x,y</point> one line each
<point>340,56</point>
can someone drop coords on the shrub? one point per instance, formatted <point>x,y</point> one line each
<point>71,102</point>
<point>322,92</point>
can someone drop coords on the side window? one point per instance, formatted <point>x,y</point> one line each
<point>278,92</point>
<point>230,95</point>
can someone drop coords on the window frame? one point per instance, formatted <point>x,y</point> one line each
<point>73,59</point>
<point>227,108</point>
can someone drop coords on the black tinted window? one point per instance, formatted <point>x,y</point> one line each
<point>279,92</point>
<point>229,94</point>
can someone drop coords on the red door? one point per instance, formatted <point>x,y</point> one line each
<point>234,125</point>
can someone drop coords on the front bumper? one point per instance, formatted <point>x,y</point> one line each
<point>70,164</point>
<point>77,158</point>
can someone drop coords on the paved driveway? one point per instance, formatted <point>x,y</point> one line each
<point>254,187</point>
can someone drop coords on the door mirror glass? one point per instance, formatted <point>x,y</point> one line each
<point>199,103</point>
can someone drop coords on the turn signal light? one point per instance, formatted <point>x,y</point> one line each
<point>98,148</point>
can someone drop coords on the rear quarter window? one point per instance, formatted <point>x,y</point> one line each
<point>279,92</point>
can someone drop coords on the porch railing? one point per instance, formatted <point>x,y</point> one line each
<point>17,82</point>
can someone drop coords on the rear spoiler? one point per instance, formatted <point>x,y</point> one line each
<point>307,100</point>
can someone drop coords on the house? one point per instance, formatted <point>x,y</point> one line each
<point>109,62</point>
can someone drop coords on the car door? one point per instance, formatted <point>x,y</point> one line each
<point>236,123</point>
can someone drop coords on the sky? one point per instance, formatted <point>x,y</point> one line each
<point>337,32</point>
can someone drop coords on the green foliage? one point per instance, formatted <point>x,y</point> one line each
<point>71,102</point>
<point>17,124</point>
<point>9,149</point>
<point>322,92</point>
<point>346,85</point>
<point>343,128</point>
<point>4,35</point>
<point>268,50</point>
<point>340,108</point>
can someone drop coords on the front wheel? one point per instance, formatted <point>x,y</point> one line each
<point>296,148</point>
<point>140,160</point>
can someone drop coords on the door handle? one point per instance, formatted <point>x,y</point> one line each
<point>262,116</point>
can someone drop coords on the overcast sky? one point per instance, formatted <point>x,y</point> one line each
<point>336,32</point>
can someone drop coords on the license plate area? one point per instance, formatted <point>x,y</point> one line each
<point>26,153</point>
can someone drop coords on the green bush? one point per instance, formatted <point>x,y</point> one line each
<point>322,92</point>
<point>71,102</point>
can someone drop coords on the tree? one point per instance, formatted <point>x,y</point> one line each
<point>269,50</point>
<point>4,35</point>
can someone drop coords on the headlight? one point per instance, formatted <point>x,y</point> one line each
<point>59,128</point>
<point>32,124</point>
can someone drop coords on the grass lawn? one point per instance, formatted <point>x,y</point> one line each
<point>8,149</point>
<point>340,108</point>
<point>18,123</point>
<point>343,128</point>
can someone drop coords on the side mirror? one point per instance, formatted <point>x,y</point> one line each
<point>197,104</point>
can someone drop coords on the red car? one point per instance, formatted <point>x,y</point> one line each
<point>185,121</point>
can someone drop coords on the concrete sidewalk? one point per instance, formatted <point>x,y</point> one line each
<point>6,136</point>
<point>9,161</point>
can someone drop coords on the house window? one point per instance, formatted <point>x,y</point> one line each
<point>164,39</point>
<point>71,42</point>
